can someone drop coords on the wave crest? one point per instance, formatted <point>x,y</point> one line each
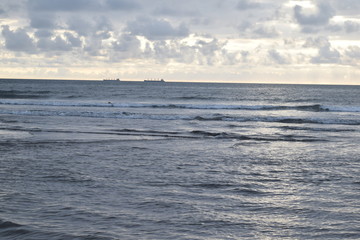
<point>311,107</point>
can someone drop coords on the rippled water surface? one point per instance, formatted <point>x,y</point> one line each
<point>97,160</point>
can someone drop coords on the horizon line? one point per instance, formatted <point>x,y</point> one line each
<point>186,81</point>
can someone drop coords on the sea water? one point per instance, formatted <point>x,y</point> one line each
<point>134,160</point>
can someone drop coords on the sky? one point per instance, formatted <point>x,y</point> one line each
<point>277,41</point>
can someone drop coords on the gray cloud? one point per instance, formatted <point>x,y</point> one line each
<point>63,5</point>
<point>266,31</point>
<point>122,5</point>
<point>277,57</point>
<point>248,30</point>
<point>42,21</point>
<point>213,52</point>
<point>18,40</point>
<point>326,54</point>
<point>346,7</point>
<point>245,56</point>
<point>174,12</point>
<point>82,5</point>
<point>80,26</point>
<point>155,29</point>
<point>209,51</point>
<point>43,33</point>
<point>245,25</point>
<point>348,27</point>
<point>56,44</point>
<point>164,51</point>
<point>324,12</point>
<point>351,26</point>
<point>94,32</point>
<point>88,27</point>
<point>126,46</point>
<point>335,27</point>
<point>73,40</point>
<point>209,47</point>
<point>317,42</point>
<point>247,4</point>
<point>353,52</point>
<point>93,47</point>
<point>10,7</point>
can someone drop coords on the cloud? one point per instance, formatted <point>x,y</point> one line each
<point>248,30</point>
<point>43,33</point>
<point>245,25</point>
<point>43,41</point>
<point>211,50</point>
<point>353,52</point>
<point>63,5</point>
<point>346,7</point>
<point>174,12</point>
<point>156,29</point>
<point>74,41</point>
<point>214,52</point>
<point>277,57</point>
<point>88,27</point>
<point>80,26</point>
<point>122,5</point>
<point>348,27</point>
<point>247,4</point>
<point>82,5</point>
<point>205,51</point>
<point>64,43</point>
<point>42,21</point>
<point>326,54</point>
<point>323,13</point>
<point>266,31</point>
<point>125,47</point>
<point>351,26</point>
<point>10,8</point>
<point>56,44</point>
<point>317,42</point>
<point>18,40</point>
<point>352,56</point>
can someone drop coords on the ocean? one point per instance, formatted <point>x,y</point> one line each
<point>134,160</point>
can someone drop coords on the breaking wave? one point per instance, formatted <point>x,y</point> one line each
<point>311,107</point>
<point>13,94</point>
<point>194,134</point>
<point>184,117</point>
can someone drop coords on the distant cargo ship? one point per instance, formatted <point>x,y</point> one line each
<point>154,80</point>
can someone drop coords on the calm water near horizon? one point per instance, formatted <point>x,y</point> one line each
<point>134,160</point>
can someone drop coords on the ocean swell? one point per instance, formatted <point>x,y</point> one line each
<point>184,117</point>
<point>311,107</point>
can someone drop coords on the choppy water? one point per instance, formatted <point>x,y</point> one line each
<point>96,160</point>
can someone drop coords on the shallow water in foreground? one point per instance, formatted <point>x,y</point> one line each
<point>89,160</point>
